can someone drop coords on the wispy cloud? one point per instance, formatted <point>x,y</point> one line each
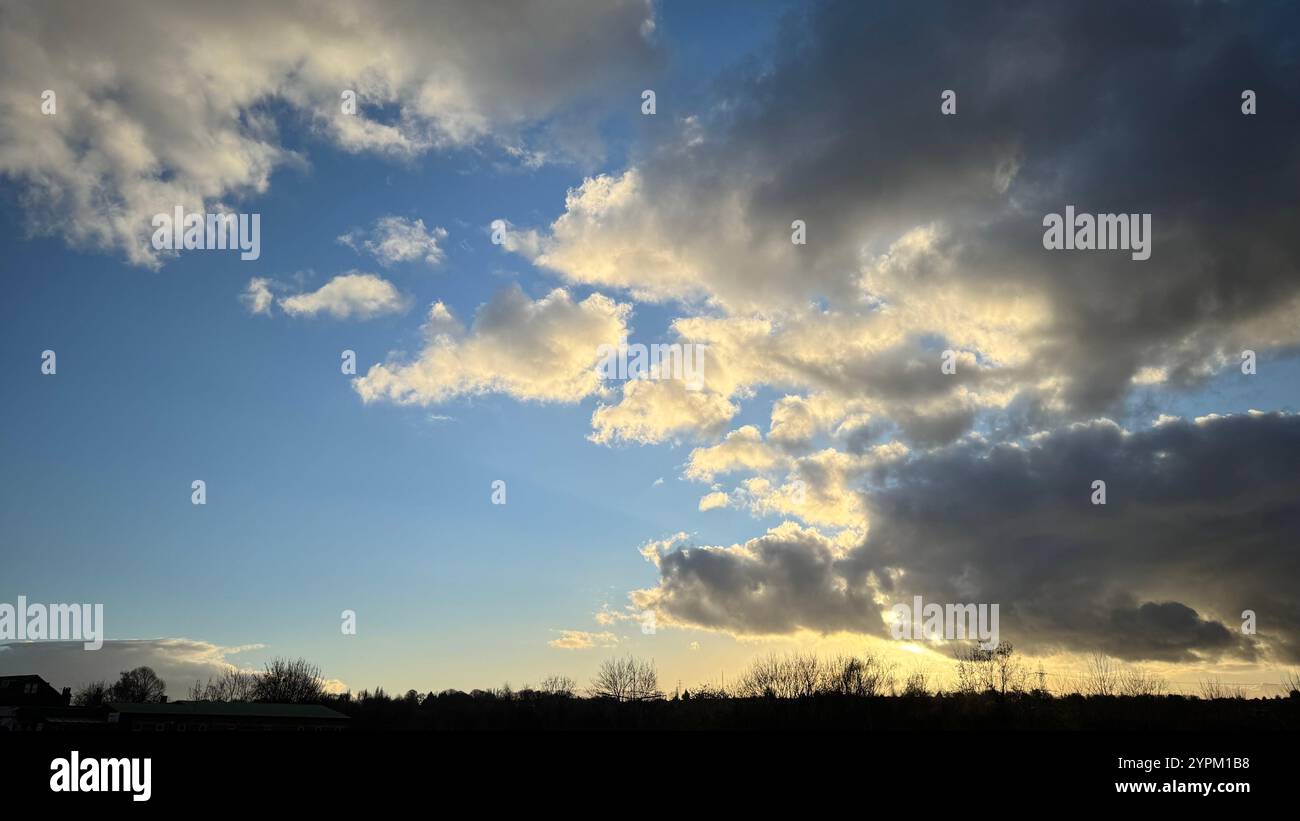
<point>582,640</point>
<point>353,295</point>
<point>398,239</point>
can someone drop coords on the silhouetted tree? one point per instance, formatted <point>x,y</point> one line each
<point>558,685</point>
<point>917,684</point>
<point>1136,681</point>
<point>790,676</point>
<point>232,685</point>
<point>1214,688</point>
<point>981,670</point>
<point>139,686</point>
<point>626,679</point>
<point>1101,678</point>
<point>854,676</point>
<point>92,695</point>
<point>286,681</point>
<point>1291,685</point>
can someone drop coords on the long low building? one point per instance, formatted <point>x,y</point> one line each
<point>218,716</point>
<point>29,704</point>
<point>54,719</point>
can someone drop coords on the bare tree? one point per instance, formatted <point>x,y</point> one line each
<point>626,679</point>
<point>973,671</point>
<point>1101,677</point>
<point>286,681</point>
<point>92,695</point>
<point>981,670</point>
<point>765,678</point>
<point>1213,687</point>
<point>558,685</point>
<point>854,676</point>
<point>805,671</point>
<point>139,686</point>
<point>794,675</point>
<point>1291,684</point>
<point>1011,675</point>
<point>802,675</point>
<point>1136,681</point>
<point>232,685</point>
<point>917,685</point>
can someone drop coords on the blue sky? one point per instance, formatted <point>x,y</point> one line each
<point>318,501</point>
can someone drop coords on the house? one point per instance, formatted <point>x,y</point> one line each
<point>31,691</point>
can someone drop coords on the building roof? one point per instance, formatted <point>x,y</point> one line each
<point>229,709</point>
<point>5,681</point>
<point>30,689</point>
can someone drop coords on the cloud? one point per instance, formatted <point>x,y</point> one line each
<point>179,662</point>
<point>788,579</point>
<point>653,411</point>
<point>847,365</point>
<point>819,488</point>
<point>713,501</point>
<point>605,237</point>
<point>147,120</point>
<point>1197,528</point>
<point>346,296</point>
<point>924,231</point>
<point>742,449</point>
<point>582,640</point>
<point>257,297</point>
<point>543,350</point>
<point>397,239</point>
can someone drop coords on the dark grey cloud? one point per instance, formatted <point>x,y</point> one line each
<point>779,583</point>
<point>1201,523</point>
<point>1110,107</point>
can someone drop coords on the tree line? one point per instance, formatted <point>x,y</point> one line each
<point>796,675</point>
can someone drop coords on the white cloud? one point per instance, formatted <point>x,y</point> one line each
<point>582,640</point>
<point>398,239</point>
<point>257,296</point>
<point>609,237</point>
<point>742,449</point>
<point>166,105</point>
<point>349,295</point>
<point>658,411</point>
<point>713,501</point>
<point>544,350</point>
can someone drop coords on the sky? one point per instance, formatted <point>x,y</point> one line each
<point>827,468</point>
